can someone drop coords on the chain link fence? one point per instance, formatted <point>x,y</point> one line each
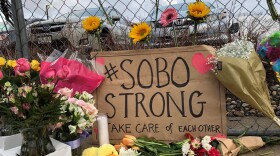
<point>56,24</point>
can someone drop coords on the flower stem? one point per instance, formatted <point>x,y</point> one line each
<point>107,17</point>
<point>175,36</point>
<point>195,31</point>
<point>157,4</point>
<point>99,41</point>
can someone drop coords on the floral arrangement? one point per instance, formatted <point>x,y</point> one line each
<point>238,67</point>
<point>207,146</point>
<point>78,113</point>
<point>25,102</point>
<point>269,50</point>
<point>140,32</point>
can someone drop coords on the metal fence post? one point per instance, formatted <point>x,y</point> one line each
<point>20,29</point>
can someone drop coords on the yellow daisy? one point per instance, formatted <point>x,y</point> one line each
<point>198,10</point>
<point>90,151</point>
<point>107,150</point>
<point>140,32</point>
<point>91,24</point>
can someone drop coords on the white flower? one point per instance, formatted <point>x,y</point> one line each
<point>186,148</point>
<point>72,129</point>
<point>206,139</point>
<point>196,143</point>
<point>191,153</point>
<point>206,146</point>
<point>129,152</point>
<point>82,123</point>
<point>7,84</point>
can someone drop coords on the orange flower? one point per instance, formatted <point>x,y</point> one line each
<point>128,140</point>
<point>119,146</point>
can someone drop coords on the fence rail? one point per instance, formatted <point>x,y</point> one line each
<point>40,26</point>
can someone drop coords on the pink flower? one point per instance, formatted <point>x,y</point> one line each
<point>1,75</point>
<point>50,74</point>
<point>22,66</point>
<point>81,103</point>
<point>65,92</point>
<point>64,72</point>
<point>90,109</point>
<point>14,109</point>
<point>195,143</point>
<point>71,100</point>
<point>168,16</point>
<point>26,106</point>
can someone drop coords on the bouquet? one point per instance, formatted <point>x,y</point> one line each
<point>269,50</point>
<point>24,102</point>
<point>206,146</point>
<point>73,68</point>
<point>238,67</point>
<point>78,113</point>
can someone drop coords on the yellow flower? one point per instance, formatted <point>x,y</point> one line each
<point>2,61</point>
<point>35,65</point>
<point>140,32</point>
<point>11,63</point>
<point>90,151</point>
<point>91,24</point>
<point>107,150</point>
<point>198,9</point>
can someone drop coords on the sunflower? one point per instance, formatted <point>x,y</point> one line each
<point>91,24</point>
<point>168,16</point>
<point>198,10</point>
<point>140,32</point>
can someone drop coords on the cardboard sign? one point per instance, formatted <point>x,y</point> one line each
<point>157,93</point>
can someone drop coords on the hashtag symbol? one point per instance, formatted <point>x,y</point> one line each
<point>111,71</point>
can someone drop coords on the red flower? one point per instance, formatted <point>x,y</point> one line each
<point>200,152</point>
<point>189,136</point>
<point>214,152</point>
<point>273,54</point>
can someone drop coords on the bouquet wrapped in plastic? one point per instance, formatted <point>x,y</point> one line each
<point>238,67</point>
<point>269,49</point>
<point>77,72</point>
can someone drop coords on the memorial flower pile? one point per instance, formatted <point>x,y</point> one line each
<point>24,101</point>
<point>269,50</point>
<point>140,32</point>
<point>238,67</point>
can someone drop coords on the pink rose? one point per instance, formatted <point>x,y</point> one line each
<point>1,75</point>
<point>64,72</point>
<point>81,103</point>
<point>14,109</point>
<point>71,100</point>
<point>26,106</point>
<point>65,92</point>
<point>90,109</point>
<point>50,74</point>
<point>22,66</point>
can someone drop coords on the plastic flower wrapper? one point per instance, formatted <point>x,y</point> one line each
<point>74,69</point>
<point>238,67</point>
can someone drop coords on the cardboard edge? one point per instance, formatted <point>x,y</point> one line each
<point>154,51</point>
